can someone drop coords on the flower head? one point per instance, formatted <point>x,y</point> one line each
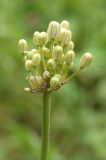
<point>49,63</point>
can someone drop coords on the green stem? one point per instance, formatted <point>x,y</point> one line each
<point>45,125</point>
<point>72,76</point>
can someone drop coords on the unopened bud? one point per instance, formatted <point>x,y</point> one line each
<point>38,80</point>
<point>65,24</point>
<point>53,29</point>
<point>64,36</point>
<point>36,59</point>
<point>28,65</point>
<point>41,38</point>
<point>23,45</point>
<point>55,81</point>
<point>58,76</point>
<point>57,53</point>
<point>69,57</point>
<point>51,64</point>
<point>29,55</point>
<point>46,75</point>
<point>32,81</point>
<point>70,45</point>
<point>46,52</point>
<point>27,89</point>
<point>36,34</point>
<point>62,59</point>
<point>85,60</point>
<point>34,51</point>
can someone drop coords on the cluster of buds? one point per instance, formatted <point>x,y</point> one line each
<point>49,63</point>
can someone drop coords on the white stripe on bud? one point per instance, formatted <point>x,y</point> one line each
<point>65,36</point>
<point>65,24</point>
<point>36,59</point>
<point>40,38</point>
<point>38,80</point>
<point>53,29</point>
<point>23,45</point>
<point>57,53</point>
<point>69,57</point>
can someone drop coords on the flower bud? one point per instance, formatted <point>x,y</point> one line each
<point>70,45</point>
<point>46,75</point>
<point>55,81</point>
<point>36,59</point>
<point>85,60</point>
<point>32,81</point>
<point>51,64</point>
<point>62,59</point>
<point>46,52</point>
<point>34,51</point>
<point>64,36</point>
<point>29,55</point>
<point>38,80</point>
<point>58,76</point>
<point>28,65</point>
<point>23,45</point>
<point>69,57</point>
<point>53,29</point>
<point>27,89</point>
<point>36,34</point>
<point>65,24</point>
<point>40,38</point>
<point>57,53</point>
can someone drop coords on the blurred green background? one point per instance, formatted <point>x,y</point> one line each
<point>78,116</point>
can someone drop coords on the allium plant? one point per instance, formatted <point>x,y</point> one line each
<point>48,66</point>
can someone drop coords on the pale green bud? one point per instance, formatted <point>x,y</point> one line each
<point>28,65</point>
<point>57,53</point>
<point>35,81</point>
<point>85,60</point>
<point>36,34</point>
<point>70,45</point>
<point>53,29</point>
<point>46,75</point>
<point>51,64</point>
<point>32,81</point>
<point>64,36</point>
<point>46,52</point>
<point>29,55</point>
<point>34,51</point>
<point>58,76</point>
<point>23,45</point>
<point>36,59</point>
<point>69,57</point>
<point>55,81</point>
<point>62,59</point>
<point>38,80</point>
<point>27,89</point>
<point>42,38</point>
<point>65,24</point>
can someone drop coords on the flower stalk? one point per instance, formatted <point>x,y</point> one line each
<point>48,67</point>
<point>45,125</point>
